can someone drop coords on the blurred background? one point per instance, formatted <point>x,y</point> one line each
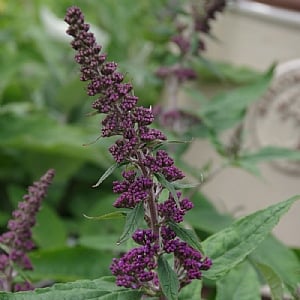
<point>256,34</point>
<point>45,118</point>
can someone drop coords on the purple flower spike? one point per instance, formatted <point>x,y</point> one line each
<point>17,241</point>
<point>145,166</point>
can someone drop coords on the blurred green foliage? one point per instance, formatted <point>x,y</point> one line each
<point>44,124</point>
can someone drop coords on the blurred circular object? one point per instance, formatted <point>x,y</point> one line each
<point>275,119</point>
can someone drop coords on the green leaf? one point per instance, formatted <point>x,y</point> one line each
<point>273,281</point>
<point>49,231</point>
<point>241,283</point>
<point>99,289</point>
<point>104,242</point>
<point>72,263</point>
<point>109,216</point>
<point>205,217</point>
<point>88,227</point>
<point>247,166</point>
<point>133,220</point>
<point>169,186</point>
<point>208,66</point>
<point>168,279</point>
<point>107,173</point>
<point>229,73</point>
<point>269,154</point>
<point>15,194</point>
<point>283,261</point>
<point>186,235</point>
<point>42,142</point>
<point>231,246</point>
<point>191,291</point>
<point>228,108</point>
<point>182,186</point>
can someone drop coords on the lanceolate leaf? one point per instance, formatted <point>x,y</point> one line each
<point>99,289</point>
<point>168,186</point>
<point>228,108</point>
<point>192,291</point>
<point>181,186</point>
<point>205,217</point>
<point>133,220</point>
<point>168,279</point>
<point>231,246</point>
<point>270,153</point>
<point>102,242</point>
<point>241,283</point>
<point>45,236</point>
<point>273,280</point>
<point>107,173</point>
<point>70,263</point>
<point>109,216</point>
<point>186,235</point>
<point>282,260</point>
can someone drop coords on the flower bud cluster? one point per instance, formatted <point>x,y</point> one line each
<point>17,241</point>
<point>132,191</point>
<point>145,165</point>
<point>188,261</point>
<point>136,268</point>
<point>170,211</point>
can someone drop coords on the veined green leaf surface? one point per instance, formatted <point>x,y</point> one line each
<point>229,73</point>
<point>228,108</point>
<point>99,289</point>
<point>270,153</point>
<point>133,220</point>
<point>273,280</point>
<point>168,186</point>
<point>49,231</point>
<point>187,235</point>
<point>37,142</point>
<point>70,263</point>
<point>104,242</point>
<point>108,216</point>
<point>107,173</point>
<point>230,246</point>
<point>192,291</point>
<point>204,216</point>
<point>168,279</point>
<point>241,283</point>
<point>41,133</point>
<point>181,186</point>
<point>283,261</point>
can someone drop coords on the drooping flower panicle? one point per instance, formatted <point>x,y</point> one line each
<point>145,164</point>
<point>17,241</point>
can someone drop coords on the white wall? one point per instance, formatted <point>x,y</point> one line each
<point>255,42</point>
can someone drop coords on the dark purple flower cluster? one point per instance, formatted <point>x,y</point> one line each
<point>136,268</point>
<point>132,190</point>
<point>170,211</point>
<point>144,166</point>
<point>116,99</point>
<point>162,163</point>
<point>188,262</point>
<point>17,241</point>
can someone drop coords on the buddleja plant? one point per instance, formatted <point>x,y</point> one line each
<point>17,241</point>
<point>169,257</point>
<point>168,261</point>
<point>147,172</point>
